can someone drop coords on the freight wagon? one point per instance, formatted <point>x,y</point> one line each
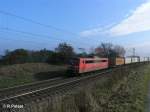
<point>146,58</point>
<point>116,61</point>
<point>135,59</point>
<point>128,60</point>
<point>120,61</point>
<point>142,59</point>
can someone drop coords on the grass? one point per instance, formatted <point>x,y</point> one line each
<point>18,74</point>
<point>125,91</point>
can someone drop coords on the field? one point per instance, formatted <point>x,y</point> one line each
<point>18,74</point>
<point>125,91</point>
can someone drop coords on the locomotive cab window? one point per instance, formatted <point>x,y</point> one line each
<point>97,61</point>
<point>89,61</point>
<point>103,60</point>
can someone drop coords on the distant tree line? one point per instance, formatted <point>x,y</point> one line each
<point>60,55</point>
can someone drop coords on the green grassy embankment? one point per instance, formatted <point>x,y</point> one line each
<point>18,74</point>
<point>124,91</point>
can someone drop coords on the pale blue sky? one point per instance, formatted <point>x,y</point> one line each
<point>82,23</point>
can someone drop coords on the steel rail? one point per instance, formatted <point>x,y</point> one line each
<point>7,92</point>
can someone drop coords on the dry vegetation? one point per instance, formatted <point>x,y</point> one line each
<point>25,73</point>
<point>125,91</point>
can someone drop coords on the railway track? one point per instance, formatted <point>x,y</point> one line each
<point>13,91</point>
<point>39,90</point>
<point>49,86</point>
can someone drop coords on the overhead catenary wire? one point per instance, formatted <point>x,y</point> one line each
<point>39,23</point>
<point>28,33</point>
<point>82,42</point>
<point>23,38</point>
<point>36,22</point>
<point>20,40</point>
<point>39,35</point>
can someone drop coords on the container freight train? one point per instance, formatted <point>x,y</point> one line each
<point>85,65</point>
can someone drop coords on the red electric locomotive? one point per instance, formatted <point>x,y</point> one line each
<point>83,65</point>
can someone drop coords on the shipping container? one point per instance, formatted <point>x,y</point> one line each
<point>128,60</point>
<point>142,59</point>
<point>120,61</point>
<point>135,59</point>
<point>146,59</point>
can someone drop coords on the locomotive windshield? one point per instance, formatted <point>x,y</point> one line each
<point>74,62</point>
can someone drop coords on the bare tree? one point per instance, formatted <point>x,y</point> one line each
<point>104,50</point>
<point>119,50</point>
<point>109,50</point>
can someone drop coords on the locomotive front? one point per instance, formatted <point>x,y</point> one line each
<point>73,66</point>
